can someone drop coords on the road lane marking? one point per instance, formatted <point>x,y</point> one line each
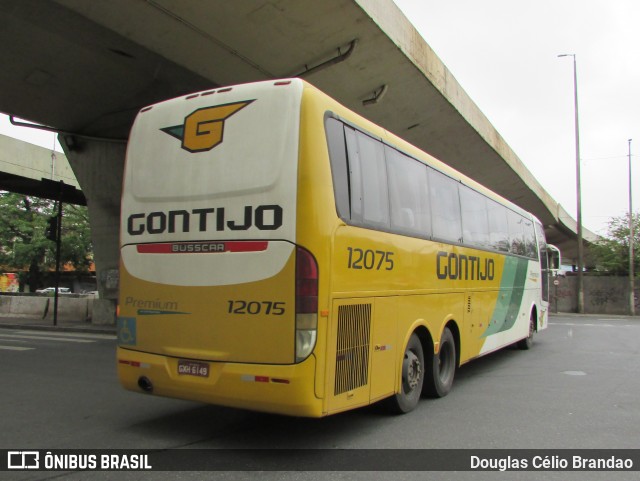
<point>605,319</point>
<point>16,348</point>
<point>44,338</point>
<point>590,324</point>
<point>73,334</point>
<point>22,341</point>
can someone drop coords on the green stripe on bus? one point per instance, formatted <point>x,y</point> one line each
<point>505,314</point>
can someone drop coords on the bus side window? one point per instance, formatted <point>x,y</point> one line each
<point>475,220</point>
<point>516,233</point>
<point>338,158</point>
<point>498,226</point>
<point>367,180</point>
<point>531,249</point>
<point>375,196</point>
<point>355,175</point>
<point>408,194</point>
<point>445,207</point>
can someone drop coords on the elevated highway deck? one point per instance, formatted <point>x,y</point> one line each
<point>24,166</point>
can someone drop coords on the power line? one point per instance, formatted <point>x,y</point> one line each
<point>606,158</point>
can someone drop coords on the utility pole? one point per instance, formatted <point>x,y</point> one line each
<point>632,297</point>
<point>578,188</point>
<point>58,249</point>
<point>54,233</point>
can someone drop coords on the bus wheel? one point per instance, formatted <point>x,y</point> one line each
<point>412,378</point>
<point>526,343</point>
<point>441,367</point>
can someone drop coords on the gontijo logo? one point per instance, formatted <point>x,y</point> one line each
<point>203,128</point>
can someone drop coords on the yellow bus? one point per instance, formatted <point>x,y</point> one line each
<point>281,253</point>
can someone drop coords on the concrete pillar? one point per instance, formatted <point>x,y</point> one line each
<point>99,166</point>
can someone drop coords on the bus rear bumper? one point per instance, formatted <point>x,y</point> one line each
<point>281,389</point>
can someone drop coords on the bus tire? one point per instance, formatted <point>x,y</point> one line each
<point>526,343</point>
<point>412,374</point>
<point>441,367</point>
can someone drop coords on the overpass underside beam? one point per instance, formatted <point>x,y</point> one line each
<point>26,186</point>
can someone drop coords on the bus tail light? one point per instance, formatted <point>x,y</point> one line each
<point>306,303</point>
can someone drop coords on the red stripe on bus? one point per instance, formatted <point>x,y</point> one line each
<point>210,247</point>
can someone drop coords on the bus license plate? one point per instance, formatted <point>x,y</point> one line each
<point>193,368</point>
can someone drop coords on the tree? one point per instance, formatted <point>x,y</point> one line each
<point>611,253</point>
<point>24,246</point>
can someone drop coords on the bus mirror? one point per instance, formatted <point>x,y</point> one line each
<point>554,259</point>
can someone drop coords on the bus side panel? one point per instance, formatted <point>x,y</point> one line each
<point>362,352</point>
<point>348,354</point>
<point>498,291</point>
<point>384,348</point>
<point>519,292</point>
<point>479,308</point>
<point>367,339</point>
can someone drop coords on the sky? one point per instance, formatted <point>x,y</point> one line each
<point>504,54</point>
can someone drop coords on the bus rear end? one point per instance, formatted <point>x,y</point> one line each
<point>217,302</point>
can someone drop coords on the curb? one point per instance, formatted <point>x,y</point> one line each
<point>595,316</point>
<point>82,330</point>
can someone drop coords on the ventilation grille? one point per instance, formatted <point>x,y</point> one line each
<point>352,356</point>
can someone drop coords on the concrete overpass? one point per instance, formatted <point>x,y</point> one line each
<point>86,68</point>
<point>23,166</point>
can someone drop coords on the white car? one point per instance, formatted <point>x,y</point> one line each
<point>52,290</point>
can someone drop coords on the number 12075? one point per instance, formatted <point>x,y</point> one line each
<point>370,259</point>
<point>256,307</point>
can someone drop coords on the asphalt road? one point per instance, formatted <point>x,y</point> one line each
<point>579,387</point>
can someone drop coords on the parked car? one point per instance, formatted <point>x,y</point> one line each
<point>52,290</point>
<point>566,271</point>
